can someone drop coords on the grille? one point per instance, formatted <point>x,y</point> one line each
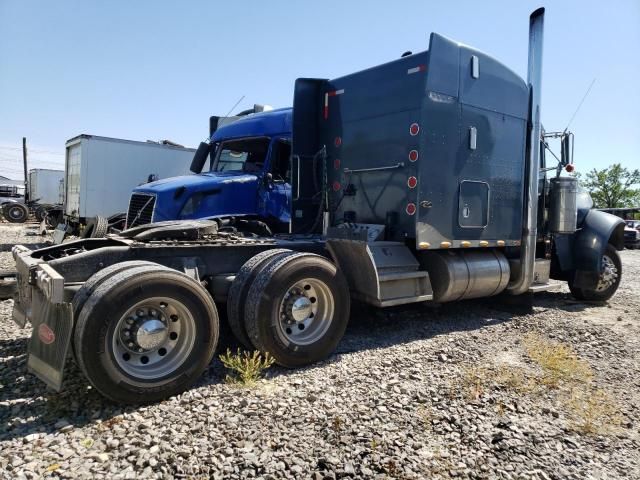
<point>140,209</point>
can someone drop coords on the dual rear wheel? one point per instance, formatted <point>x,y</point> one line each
<point>144,331</point>
<point>293,305</point>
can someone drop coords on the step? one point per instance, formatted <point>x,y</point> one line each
<point>398,288</point>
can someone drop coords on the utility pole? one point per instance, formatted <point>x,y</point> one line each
<point>24,160</point>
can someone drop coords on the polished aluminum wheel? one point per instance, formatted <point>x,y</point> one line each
<point>608,275</point>
<point>153,338</point>
<point>306,312</point>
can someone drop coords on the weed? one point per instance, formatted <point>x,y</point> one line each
<point>474,380</point>
<point>337,424</point>
<point>425,416</point>
<point>515,379</point>
<point>246,368</point>
<point>558,361</point>
<point>593,410</point>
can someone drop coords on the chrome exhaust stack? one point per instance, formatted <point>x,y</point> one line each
<point>524,279</point>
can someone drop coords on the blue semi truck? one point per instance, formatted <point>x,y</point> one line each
<point>246,173</point>
<point>421,179</point>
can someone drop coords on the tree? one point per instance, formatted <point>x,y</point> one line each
<point>612,187</point>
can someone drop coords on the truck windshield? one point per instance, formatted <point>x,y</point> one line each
<point>244,155</point>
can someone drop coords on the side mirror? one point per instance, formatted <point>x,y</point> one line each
<point>566,149</point>
<point>200,157</point>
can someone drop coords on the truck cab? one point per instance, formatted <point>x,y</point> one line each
<point>247,174</point>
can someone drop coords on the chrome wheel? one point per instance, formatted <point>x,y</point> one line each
<point>153,338</point>
<point>608,275</point>
<point>306,312</point>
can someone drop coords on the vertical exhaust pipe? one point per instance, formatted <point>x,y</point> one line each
<point>532,167</point>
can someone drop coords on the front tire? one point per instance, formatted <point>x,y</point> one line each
<point>146,334</point>
<point>297,309</point>
<point>608,282</point>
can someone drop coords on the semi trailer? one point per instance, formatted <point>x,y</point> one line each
<point>43,190</point>
<point>41,194</point>
<point>419,180</point>
<point>243,170</point>
<point>100,173</point>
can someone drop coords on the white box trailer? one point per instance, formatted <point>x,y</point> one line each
<point>43,185</point>
<point>100,173</point>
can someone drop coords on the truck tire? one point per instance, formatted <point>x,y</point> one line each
<point>95,228</point>
<point>145,334</point>
<point>53,217</point>
<point>100,276</point>
<point>239,290</point>
<point>297,309</point>
<point>609,279</point>
<point>40,213</point>
<point>15,212</point>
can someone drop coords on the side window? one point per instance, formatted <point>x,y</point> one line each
<point>281,164</point>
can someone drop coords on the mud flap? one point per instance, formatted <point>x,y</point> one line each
<point>49,344</point>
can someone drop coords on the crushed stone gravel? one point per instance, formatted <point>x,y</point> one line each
<point>394,401</point>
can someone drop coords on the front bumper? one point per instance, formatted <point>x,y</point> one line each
<point>40,300</point>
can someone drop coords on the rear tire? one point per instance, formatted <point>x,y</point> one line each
<point>40,213</point>
<point>95,280</point>
<point>146,334</point>
<point>297,309</point>
<point>239,290</point>
<point>100,276</point>
<point>15,212</point>
<point>609,280</point>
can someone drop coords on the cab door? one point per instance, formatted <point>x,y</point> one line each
<point>274,196</point>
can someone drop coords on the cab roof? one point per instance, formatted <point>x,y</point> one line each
<point>264,124</point>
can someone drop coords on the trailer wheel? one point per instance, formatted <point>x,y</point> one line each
<point>145,334</point>
<point>239,290</point>
<point>15,212</point>
<point>608,282</point>
<point>95,228</point>
<point>297,309</point>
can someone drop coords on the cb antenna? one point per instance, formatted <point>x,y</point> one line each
<point>235,105</point>
<point>579,105</point>
<point>207,140</point>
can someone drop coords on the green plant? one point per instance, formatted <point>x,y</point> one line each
<point>246,367</point>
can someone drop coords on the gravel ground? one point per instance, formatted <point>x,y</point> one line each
<point>419,392</point>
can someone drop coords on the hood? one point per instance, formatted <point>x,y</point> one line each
<point>196,182</point>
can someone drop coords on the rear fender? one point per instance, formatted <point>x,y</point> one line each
<point>589,243</point>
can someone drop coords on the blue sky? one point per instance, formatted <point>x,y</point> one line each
<point>158,69</point>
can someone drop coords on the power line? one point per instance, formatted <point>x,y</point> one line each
<point>32,151</point>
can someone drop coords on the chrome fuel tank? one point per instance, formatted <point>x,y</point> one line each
<point>466,274</point>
